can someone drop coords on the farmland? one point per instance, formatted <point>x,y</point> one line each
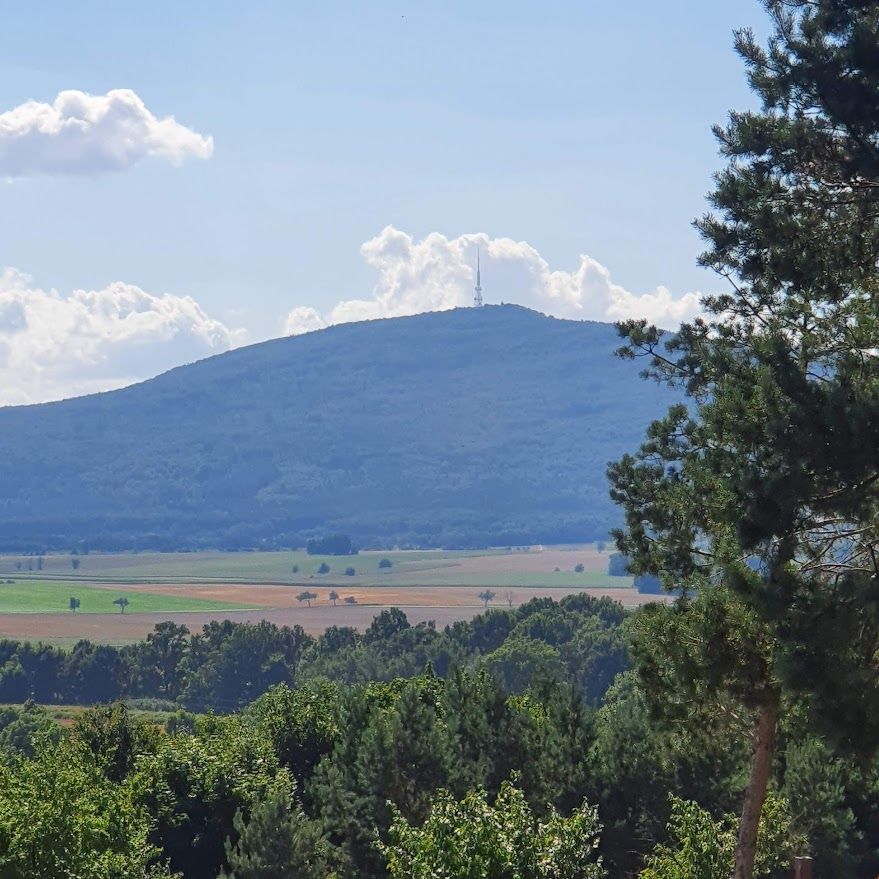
<point>194,588</point>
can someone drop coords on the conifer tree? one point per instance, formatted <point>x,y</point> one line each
<point>761,492</point>
<point>277,841</point>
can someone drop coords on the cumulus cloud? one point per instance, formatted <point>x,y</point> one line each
<point>88,134</point>
<point>54,346</point>
<point>437,273</point>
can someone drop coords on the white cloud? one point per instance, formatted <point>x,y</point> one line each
<point>54,346</point>
<point>300,320</point>
<point>87,134</point>
<point>437,273</point>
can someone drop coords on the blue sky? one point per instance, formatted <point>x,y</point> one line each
<point>579,128</point>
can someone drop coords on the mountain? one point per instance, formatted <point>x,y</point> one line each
<point>487,426</point>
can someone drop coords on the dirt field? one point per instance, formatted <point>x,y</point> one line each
<point>278,604</point>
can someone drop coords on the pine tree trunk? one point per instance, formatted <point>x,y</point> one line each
<point>755,795</point>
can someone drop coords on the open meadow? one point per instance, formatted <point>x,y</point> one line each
<point>195,588</point>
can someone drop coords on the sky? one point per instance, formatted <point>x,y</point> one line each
<point>179,179</point>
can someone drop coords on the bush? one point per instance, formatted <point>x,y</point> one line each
<point>324,568</point>
<point>385,563</point>
<point>350,572</point>
<point>579,568</point>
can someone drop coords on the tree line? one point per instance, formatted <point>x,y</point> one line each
<point>227,665</point>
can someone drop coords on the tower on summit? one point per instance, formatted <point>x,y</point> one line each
<point>477,299</point>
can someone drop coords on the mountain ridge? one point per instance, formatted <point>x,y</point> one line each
<point>463,427</point>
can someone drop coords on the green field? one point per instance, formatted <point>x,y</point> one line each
<point>48,596</point>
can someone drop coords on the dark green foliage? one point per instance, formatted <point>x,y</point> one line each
<point>277,840</point>
<point>230,665</point>
<point>353,430</point>
<point>350,572</point>
<point>384,564</point>
<point>193,784</point>
<point>335,544</point>
<point>227,665</point>
<point>158,662</point>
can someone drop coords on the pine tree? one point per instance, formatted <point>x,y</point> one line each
<point>764,486</point>
<point>277,841</point>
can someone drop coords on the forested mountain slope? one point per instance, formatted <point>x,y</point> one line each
<point>466,427</point>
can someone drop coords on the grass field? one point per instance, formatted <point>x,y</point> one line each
<point>47,596</point>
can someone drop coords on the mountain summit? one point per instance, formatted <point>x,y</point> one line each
<point>466,427</point>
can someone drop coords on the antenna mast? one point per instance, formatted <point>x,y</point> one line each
<point>477,299</point>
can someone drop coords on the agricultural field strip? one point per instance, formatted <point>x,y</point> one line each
<point>51,597</point>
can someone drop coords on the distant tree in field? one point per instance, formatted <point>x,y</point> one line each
<point>557,570</point>
<point>123,602</point>
<point>334,597</point>
<point>334,544</point>
<point>74,604</point>
<point>486,596</point>
<point>384,564</point>
<point>508,597</point>
<point>324,568</point>
<point>578,568</point>
<point>39,563</point>
<point>295,569</point>
<point>350,572</point>
<point>74,563</point>
<point>350,600</point>
<point>618,565</point>
<point>307,597</point>
<point>18,566</point>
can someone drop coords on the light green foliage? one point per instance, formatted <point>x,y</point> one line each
<point>62,818</point>
<point>473,839</point>
<point>702,848</point>
<point>21,729</point>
